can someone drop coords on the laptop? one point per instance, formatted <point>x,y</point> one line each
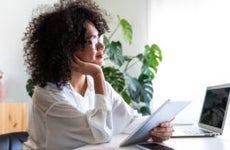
<point>213,114</point>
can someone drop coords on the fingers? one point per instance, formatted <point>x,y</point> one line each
<point>156,139</point>
<point>78,61</point>
<point>75,65</point>
<point>166,125</point>
<point>86,68</point>
<point>162,132</point>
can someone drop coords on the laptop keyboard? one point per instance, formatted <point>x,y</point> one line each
<point>194,130</point>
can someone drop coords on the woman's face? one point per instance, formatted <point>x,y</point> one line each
<point>93,51</point>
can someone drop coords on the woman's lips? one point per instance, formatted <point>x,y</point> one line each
<point>101,56</point>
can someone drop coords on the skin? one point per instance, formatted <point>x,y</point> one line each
<point>88,61</point>
<point>162,133</point>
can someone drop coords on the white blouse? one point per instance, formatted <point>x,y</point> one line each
<point>63,119</point>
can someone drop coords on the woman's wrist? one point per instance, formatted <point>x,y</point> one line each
<point>99,82</point>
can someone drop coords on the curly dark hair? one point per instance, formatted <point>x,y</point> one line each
<point>54,35</point>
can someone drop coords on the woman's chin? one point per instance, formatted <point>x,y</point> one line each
<point>100,63</point>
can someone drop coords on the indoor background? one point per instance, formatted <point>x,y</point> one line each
<point>192,34</point>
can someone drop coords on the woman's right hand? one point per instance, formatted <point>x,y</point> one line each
<point>93,70</point>
<point>86,68</point>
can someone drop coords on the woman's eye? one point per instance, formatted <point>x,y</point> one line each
<point>92,41</point>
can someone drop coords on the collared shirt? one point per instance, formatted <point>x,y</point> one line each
<point>63,119</point>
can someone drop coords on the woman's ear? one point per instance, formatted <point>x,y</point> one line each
<point>74,56</point>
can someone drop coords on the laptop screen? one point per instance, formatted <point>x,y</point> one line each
<point>215,106</point>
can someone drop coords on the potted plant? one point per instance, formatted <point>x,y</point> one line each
<point>136,91</point>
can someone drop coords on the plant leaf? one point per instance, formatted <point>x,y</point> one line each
<point>140,90</point>
<point>115,78</point>
<point>115,53</point>
<point>151,59</point>
<point>126,30</point>
<point>146,88</point>
<point>30,87</point>
<point>126,97</point>
<point>145,110</point>
<point>106,43</point>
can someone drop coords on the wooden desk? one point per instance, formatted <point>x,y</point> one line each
<point>204,143</point>
<point>13,117</point>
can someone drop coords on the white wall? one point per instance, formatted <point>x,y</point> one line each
<point>15,15</point>
<point>135,11</point>
<point>194,37</point>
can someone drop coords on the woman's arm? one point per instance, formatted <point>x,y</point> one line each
<point>94,71</point>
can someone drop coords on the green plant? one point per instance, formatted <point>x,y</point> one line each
<point>30,87</point>
<point>136,91</point>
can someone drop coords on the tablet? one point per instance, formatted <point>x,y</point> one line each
<point>166,112</point>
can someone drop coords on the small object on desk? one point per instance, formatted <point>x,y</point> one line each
<point>153,146</point>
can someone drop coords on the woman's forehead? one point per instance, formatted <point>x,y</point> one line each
<point>90,30</point>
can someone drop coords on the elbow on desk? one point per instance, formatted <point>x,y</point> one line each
<point>101,138</point>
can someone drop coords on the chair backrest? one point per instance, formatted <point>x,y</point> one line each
<point>13,141</point>
<point>13,117</point>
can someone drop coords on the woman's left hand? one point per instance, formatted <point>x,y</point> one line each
<point>162,132</point>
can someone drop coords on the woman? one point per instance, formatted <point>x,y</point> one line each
<point>73,105</point>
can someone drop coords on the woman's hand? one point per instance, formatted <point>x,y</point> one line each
<point>93,70</point>
<point>86,68</point>
<point>162,132</point>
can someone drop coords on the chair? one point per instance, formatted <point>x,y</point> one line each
<point>13,125</point>
<point>12,141</point>
<point>14,117</point>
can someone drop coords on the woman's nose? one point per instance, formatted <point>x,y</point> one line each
<point>100,46</point>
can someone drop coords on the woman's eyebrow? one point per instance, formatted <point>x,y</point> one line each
<point>92,36</point>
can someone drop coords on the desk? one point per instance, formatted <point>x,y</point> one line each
<point>204,143</point>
